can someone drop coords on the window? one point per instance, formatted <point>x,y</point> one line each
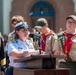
<point>42,8</point>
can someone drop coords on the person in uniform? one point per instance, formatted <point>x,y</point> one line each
<point>2,57</point>
<point>48,37</point>
<point>19,48</point>
<point>14,20</point>
<point>67,45</point>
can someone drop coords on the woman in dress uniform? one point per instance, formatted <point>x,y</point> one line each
<point>19,48</point>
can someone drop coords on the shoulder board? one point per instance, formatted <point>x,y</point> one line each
<point>13,40</point>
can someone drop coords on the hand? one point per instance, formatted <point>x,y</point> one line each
<point>57,52</point>
<point>33,52</point>
<point>30,53</point>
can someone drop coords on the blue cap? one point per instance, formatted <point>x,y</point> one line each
<point>21,25</point>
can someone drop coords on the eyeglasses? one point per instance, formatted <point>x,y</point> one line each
<point>71,23</point>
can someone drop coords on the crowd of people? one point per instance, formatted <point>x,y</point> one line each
<point>24,41</point>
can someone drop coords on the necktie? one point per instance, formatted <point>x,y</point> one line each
<point>68,43</point>
<point>43,42</point>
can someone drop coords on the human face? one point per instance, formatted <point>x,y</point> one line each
<point>70,25</point>
<point>23,34</point>
<point>43,29</point>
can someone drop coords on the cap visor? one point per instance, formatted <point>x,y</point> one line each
<point>38,27</point>
<point>26,27</point>
<point>71,16</point>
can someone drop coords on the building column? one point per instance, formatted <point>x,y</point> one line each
<point>7,5</point>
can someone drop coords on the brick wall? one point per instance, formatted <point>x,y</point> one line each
<point>62,8</point>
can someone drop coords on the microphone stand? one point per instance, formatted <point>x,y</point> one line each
<point>39,50</point>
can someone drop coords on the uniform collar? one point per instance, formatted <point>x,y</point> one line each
<point>71,32</point>
<point>19,41</point>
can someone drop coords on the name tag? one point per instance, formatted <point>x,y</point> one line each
<point>20,48</point>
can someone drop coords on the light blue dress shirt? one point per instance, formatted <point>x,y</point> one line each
<point>18,45</point>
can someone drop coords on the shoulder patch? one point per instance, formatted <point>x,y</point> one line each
<point>55,36</point>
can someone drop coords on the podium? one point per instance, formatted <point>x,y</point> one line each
<point>18,71</point>
<point>40,65</point>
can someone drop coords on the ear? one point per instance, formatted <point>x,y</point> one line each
<point>46,25</point>
<point>16,32</point>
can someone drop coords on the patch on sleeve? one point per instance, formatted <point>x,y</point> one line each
<point>55,36</point>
